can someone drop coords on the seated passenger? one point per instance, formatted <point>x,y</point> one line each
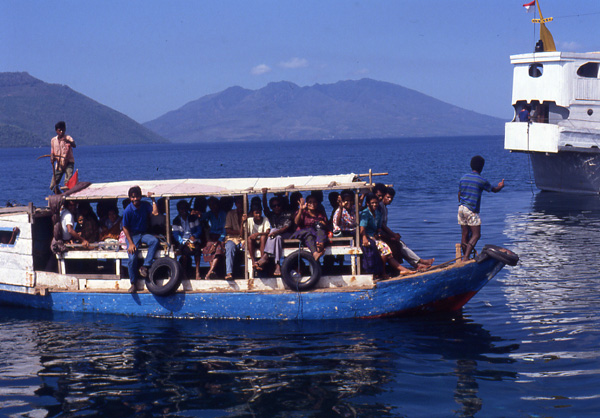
<point>68,224</point>
<point>398,247</point>
<point>333,198</point>
<point>87,222</point>
<point>112,225</point>
<point>158,222</point>
<point>214,248</point>
<point>187,234</point>
<point>344,217</point>
<point>199,207</point>
<point>235,239</point>
<point>258,228</point>
<point>294,202</point>
<point>312,226</point>
<point>281,228</point>
<point>370,232</point>
<point>136,218</point>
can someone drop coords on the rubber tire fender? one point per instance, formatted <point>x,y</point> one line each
<point>163,265</point>
<point>501,254</point>
<point>289,275</point>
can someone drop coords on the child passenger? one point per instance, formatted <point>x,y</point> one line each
<point>258,228</point>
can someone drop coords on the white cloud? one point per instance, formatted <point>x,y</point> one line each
<point>294,63</point>
<point>261,69</point>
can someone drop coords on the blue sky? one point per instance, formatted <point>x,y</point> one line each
<point>145,58</point>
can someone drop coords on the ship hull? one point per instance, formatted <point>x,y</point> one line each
<point>567,172</point>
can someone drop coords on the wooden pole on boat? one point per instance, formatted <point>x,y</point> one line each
<point>168,222</point>
<point>357,233</point>
<point>246,238</point>
<point>370,176</point>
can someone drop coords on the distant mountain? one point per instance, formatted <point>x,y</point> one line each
<point>29,108</point>
<point>347,109</point>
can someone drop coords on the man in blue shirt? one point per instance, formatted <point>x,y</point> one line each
<point>136,219</point>
<point>524,114</point>
<point>469,201</point>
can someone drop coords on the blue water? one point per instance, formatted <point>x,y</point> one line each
<point>525,346</point>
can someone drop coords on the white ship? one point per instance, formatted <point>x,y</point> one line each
<point>562,92</point>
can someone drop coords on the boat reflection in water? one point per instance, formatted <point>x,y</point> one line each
<point>92,364</point>
<point>553,292</point>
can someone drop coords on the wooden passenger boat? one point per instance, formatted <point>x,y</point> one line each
<point>90,280</point>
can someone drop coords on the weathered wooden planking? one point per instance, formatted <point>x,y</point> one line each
<point>16,277</point>
<point>14,216</point>
<point>22,246</point>
<point>112,283</point>
<point>56,281</point>
<point>15,261</point>
<point>9,224</point>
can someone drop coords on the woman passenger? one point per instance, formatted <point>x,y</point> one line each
<point>344,217</point>
<point>312,226</point>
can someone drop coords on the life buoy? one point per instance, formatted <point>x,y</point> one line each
<point>501,254</point>
<point>167,270</point>
<point>291,275</point>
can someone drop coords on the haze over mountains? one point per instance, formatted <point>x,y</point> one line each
<point>29,108</point>
<point>365,108</point>
<point>347,109</point>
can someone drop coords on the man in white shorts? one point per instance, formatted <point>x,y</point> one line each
<point>470,187</point>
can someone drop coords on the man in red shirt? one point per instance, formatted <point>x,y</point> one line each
<point>61,153</point>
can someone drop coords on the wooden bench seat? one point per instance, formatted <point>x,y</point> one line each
<point>77,252</point>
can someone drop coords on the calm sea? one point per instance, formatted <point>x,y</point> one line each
<point>525,346</point>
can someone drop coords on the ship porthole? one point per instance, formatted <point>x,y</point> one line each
<point>536,70</point>
<point>590,112</point>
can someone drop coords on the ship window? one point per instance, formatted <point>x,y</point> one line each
<point>588,70</point>
<point>536,70</point>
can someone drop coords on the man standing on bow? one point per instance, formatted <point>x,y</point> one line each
<point>61,153</point>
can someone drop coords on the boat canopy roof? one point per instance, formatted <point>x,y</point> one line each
<point>219,187</point>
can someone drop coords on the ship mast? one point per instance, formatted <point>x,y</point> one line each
<point>546,41</point>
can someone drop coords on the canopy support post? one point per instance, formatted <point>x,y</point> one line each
<point>356,260</point>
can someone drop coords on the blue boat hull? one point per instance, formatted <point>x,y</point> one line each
<point>443,290</point>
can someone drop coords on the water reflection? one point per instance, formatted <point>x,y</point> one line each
<point>553,296</point>
<point>95,365</point>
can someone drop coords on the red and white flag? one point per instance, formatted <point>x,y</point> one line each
<point>529,7</point>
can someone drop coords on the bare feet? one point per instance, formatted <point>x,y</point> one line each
<point>228,276</point>
<point>427,262</point>
<point>277,270</point>
<point>423,267</point>
<point>318,254</point>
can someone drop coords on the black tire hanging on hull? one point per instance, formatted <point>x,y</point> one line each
<point>168,270</point>
<point>291,271</point>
